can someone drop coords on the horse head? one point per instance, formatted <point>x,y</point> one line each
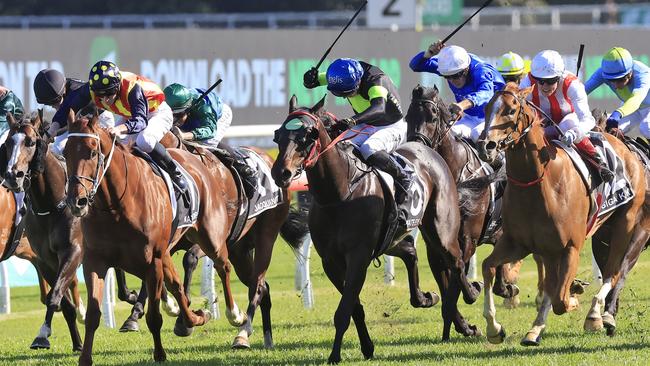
<point>508,118</point>
<point>85,159</point>
<point>427,116</point>
<point>25,148</point>
<point>299,140</point>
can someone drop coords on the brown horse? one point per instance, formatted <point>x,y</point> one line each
<point>54,234</point>
<point>428,121</point>
<point>250,256</point>
<point>546,211</point>
<point>346,223</point>
<point>132,198</point>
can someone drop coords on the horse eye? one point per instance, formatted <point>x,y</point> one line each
<point>93,154</point>
<point>512,112</point>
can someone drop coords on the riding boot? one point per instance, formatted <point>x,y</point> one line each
<point>161,157</point>
<point>247,174</point>
<point>588,148</point>
<point>403,180</point>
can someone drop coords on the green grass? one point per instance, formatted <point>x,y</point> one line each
<point>402,335</point>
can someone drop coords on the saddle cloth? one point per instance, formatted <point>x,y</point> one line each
<point>267,195</point>
<point>613,194</point>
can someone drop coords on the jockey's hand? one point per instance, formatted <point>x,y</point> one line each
<point>613,120</point>
<point>51,132</point>
<point>310,79</point>
<point>348,122</point>
<point>456,112</point>
<point>569,137</point>
<point>116,130</point>
<point>434,49</point>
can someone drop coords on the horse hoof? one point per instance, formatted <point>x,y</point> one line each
<point>511,302</point>
<point>180,330</point>
<point>593,324</point>
<point>578,287</point>
<point>268,340</point>
<point>478,285</point>
<point>498,338</point>
<point>241,343</point>
<point>368,353</point>
<point>531,339</point>
<point>610,324</point>
<point>40,343</point>
<point>205,314</point>
<point>334,360</point>
<point>130,326</point>
<point>131,297</point>
<point>160,356</point>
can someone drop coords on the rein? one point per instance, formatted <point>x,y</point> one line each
<point>425,139</point>
<point>101,162</point>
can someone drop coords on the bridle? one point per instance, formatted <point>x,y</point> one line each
<point>509,140</point>
<point>102,164</point>
<point>424,139</point>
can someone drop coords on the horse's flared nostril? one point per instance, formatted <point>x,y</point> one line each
<point>286,174</point>
<point>491,145</point>
<point>82,202</point>
<point>20,174</point>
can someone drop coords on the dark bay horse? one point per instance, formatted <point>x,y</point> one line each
<point>346,223</point>
<point>547,212</point>
<point>54,234</point>
<point>126,220</point>
<point>429,122</point>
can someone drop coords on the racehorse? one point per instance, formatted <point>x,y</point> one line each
<point>546,211</point>
<point>250,256</point>
<point>429,122</point>
<point>53,233</point>
<point>127,220</point>
<point>347,217</point>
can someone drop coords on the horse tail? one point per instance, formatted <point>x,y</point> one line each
<point>294,230</point>
<point>470,190</point>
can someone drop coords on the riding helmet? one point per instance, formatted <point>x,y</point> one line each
<point>452,60</point>
<point>547,64</point>
<point>616,63</point>
<point>49,86</point>
<point>344,76</point>
<point>178,97</point>
<point>104,78</point>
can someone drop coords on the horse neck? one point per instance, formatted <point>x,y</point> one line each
<point>113,187</point>
<point>47,188</point>
<point>453,154</point>
<point>328,178</point>
<point>525,161</point>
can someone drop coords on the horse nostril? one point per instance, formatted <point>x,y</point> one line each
<point>82,202</point>
<point>286,174</point>
<point>20,174</point>
<point>491,145</point>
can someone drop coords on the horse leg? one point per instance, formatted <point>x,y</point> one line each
<point>405,250</point>
<point>154,283</point>
<point>137,311</point>
<point>70,315</point>
<point>534,336</point>
<point>539,298</point>
<point>169,304</point>
<point>76,300</point>
<point>41,341</point>
<point>567,267</point>
<point>94,274</point>
<point>637,245</point>
<point>123,292</point>
<point>190,262</point>
<point>505,251</point>
<point>69,261</point>
<point>187,318</point>
<point>349,280</point>
<point>235,317</point>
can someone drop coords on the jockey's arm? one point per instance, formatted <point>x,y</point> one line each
<point>594,81</point>
<point>485,90</point>
<point>373,115</point>
<point>139,109</point>
<point>74,100</point>
<point>639,89</point>
<point>578,96</point>
<point>419,63</point>
<point>207,123</point>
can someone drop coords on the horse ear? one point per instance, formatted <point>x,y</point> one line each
<point>318,107</point>
<point>417,91</point>
<point>435,88</point>
<point>523,93</point>
<point>71,116</point>
<point>36,121</point>
<point>293,103</point>
<point>11,120</point>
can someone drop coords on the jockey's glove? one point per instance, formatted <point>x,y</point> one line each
<point>613,120</point>
<point>456,112</point>
<point>569,137</point>
<point>51,131</point>
<point>310,79</point>
<point>348,122</point>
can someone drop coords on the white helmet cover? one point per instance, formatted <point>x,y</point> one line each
<point>452,60</point>
<point>547,64</point>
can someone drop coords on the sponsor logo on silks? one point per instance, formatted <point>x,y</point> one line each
<point>334,80</point>
<point>294,124</point>
<point>103,48</point>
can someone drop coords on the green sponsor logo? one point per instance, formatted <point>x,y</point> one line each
<point>103,48</point>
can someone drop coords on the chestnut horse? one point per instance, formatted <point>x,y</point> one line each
<point>429,122</point>
<point>346,223</point>
<point>546,208</point>
<point>126,219</point>
<point>54,234</point>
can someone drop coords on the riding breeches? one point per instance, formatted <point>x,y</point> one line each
<point>369,139</point>
<point>637,123</point>
<point>159,122</point>
<point>106,119</point>
<point>469,127</point>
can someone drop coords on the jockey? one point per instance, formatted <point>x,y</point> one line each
<point>511,67</point>
<point>472,81</point>
<point>50,88</point>
<point>378,112</point>
<point>561,95</point>
<point>9,103</point>
<point>629,79</point>
<point>205,123</point>
<point>138,101</point>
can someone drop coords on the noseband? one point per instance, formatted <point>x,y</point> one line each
<point>509,140</point>
<point>102,163</point>
<point>424,139</point>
